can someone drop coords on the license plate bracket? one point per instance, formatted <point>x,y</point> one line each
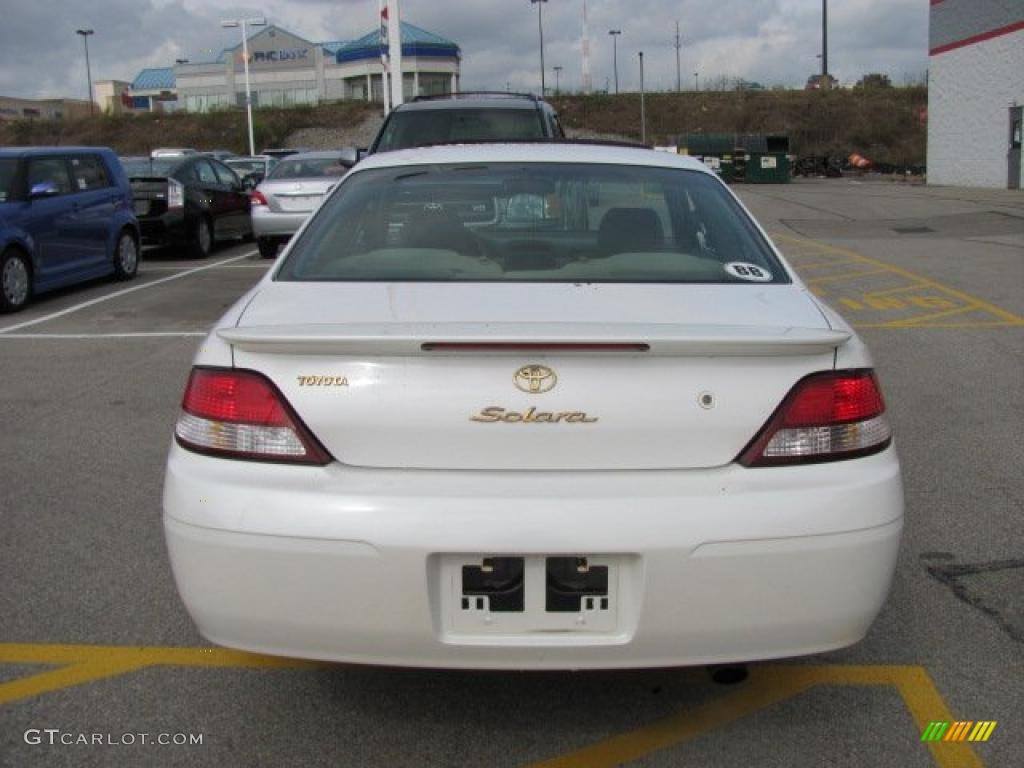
<point>530,596</point>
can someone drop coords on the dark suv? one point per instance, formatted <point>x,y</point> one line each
<point>469,116</point>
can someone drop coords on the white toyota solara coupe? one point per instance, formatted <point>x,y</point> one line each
<point>537,406</point>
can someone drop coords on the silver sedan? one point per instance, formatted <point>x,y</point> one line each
<point>291,192</point>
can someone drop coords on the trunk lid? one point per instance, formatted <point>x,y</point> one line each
<point>372,370</point>
<point>296,195</point>
<point>149,194</point>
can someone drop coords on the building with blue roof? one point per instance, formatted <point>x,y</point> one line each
<point>287,69</point>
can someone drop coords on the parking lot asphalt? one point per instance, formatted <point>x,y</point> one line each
<point>94,642</point>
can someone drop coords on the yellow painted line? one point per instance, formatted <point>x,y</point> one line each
<point>900,289</point>
<point>772,684</point>
<point>800,267</point>
<point>1009,317</point>
<point>769,684</point>
<point>64,677</point>
<point>86,663</point>
<point>844,276</point>
<point>968,325</point>
<point>767,687</point>
<point>926,704</point>
<point>912,321</point>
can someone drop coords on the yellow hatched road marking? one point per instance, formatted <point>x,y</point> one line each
<point>844,276</point>
<point>86,663</point>
<point>769,684</point>
<point>918,281</point>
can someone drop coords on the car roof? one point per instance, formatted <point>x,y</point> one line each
<point>532,152</point>
<point>326,154</point>
<point>25,151</point>
<point>475,102</point>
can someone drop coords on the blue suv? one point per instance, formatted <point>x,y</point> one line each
<point>66,215</point>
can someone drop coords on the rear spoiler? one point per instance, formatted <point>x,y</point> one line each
<point>663,340</point>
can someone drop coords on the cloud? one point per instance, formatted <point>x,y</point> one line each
<point>771,41</point>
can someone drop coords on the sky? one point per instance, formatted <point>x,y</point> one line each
<point>774,42</point>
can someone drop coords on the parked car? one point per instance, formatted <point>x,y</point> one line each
<point>189,200</point>
<point>284,200</point>
<point>254,167</point>
<point>220,154</point>
<point>285,152</point>
<point>533,406</point>
<point>171,152</point>
<point>468,116</point>
<point>65,217</point>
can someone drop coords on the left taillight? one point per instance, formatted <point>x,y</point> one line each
<point>241,415</point>
<point>175,194</point>
<point>827,416</point>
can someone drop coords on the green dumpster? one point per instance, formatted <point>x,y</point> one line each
<point>727,169</point>
<point>768,168</point>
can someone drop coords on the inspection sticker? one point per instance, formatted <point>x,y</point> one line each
<point>750,272</point>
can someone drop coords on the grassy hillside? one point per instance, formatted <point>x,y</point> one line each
<point>138,134</point>
<point>882,124</point>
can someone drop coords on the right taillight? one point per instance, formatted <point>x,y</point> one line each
<point>240,414</point>
<point>825,417</point>
<point>175,194</point>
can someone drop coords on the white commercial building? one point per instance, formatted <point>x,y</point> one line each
<point>975,92</point>
<point>286,69</point>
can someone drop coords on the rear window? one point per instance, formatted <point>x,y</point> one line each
<point>536,222</point>
<point>308,168</point>
<point>89,172</point>
<point>151,167</point>
<point>8,177</point>
<point>245,167</point>
<point>418,128</point>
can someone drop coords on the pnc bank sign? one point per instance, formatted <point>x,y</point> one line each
<point>277,57</point>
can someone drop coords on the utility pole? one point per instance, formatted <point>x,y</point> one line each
<point>679,45</point>
<point>540,29</point>
<point>824,43</point>
<point>88,70</point>
<point>558,72</point>
<point>643,106</point>
<point>615,55</point>
<point>585,48</point>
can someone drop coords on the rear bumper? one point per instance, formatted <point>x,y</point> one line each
<point>347,564</point>
<point>166,229</point>
<point>268,223</point>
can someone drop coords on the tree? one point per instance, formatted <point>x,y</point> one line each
<point>875,80</point>
<point>821,82</point>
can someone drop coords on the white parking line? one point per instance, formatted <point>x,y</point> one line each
<point>169,268</point>
<point>138,335</point>
<point>123,292</point>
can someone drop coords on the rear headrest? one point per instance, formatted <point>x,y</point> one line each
<point>630,229</point>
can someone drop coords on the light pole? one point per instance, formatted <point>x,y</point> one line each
<point>558,72</point>
<point>643,106</point>
<point>615,55</point>
<point>540,29</point>
<point>258,21</point>
<point>88,70</point>
<point>696,81</point>
<point>678,46</point>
